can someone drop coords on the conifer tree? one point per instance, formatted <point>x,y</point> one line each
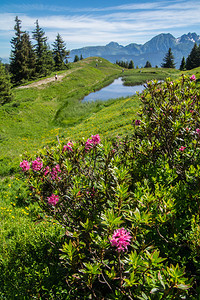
<point>28,57</point>
<point>44,58</point>
<point>168,61</point>
<point>16,53</point>
<point>22,60</point>
<point>60,53</point>
<point>76,58</point>
<point>131,65</point>
<point>193,59</point>
<point>183,64</point>
<point>5,86</point>
<point>148,65</point>
<point>81,57</point>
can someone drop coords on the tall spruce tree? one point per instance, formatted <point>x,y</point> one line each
<point>168,61</point>
<point>147,65</point>
<point>28,57</point>
<point>60,53</point>
<point>44,58</point>
<point>16,53</point>
<point>193,59</point>
<point>22,60</point>
<point>183,64</point>
<point>131,64</point>
<point>5,86</point>
<point>76,58</point>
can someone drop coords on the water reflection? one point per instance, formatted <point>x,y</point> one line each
<point>114,90</point>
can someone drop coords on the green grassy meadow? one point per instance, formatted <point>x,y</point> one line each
<point>37,117</point>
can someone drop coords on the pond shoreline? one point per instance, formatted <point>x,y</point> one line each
<point>115,90</point>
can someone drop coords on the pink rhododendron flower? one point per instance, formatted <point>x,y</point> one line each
<point>181,148</point>
<point>68,147</point>
<point>54,172</point>
<point>121,239</point>
<point>95,140</point>
<point>198,131</point>
<point>193,78</point>
<point>53,199</point>
<point>24,165</point>
<point>37,164</point>
<point>46,171</point>
<point>137,122</point>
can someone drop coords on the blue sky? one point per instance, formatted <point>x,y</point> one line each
<point>92,22</point>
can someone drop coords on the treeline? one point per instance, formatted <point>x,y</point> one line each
<point>193,59</point>
<point>29,61</point>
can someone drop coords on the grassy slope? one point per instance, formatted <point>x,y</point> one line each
<point>32,118</point>
<point>37,115</point>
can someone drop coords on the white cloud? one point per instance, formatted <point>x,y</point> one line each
<point>97,26</point>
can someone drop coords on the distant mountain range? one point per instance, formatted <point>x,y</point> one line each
<point>154,50</point>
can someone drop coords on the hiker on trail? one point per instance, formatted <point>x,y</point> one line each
<point>56,77</point>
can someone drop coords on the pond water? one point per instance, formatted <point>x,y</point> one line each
<point>113,91</point>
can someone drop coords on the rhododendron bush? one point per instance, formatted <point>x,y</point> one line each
<point>129,206</point>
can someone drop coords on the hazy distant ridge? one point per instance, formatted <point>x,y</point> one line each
<point>153,50</point>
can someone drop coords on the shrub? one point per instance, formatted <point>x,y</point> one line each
<point>118,203</point>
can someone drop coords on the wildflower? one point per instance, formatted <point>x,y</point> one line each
<point>193,78</point>
<point>68,147</point>
<point>121,239</point>
<point>46,171</point>
<point>37,164</point>
<point>54,172</point>
<point>137,122</point>
<point>181,148</point>
<point>24,165</point>
<point>53,199</point>
<point>198,131</point>
<point>95,140</point>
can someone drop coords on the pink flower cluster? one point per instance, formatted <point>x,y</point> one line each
<point>182,148</point>
<point>68,147</point>
<point>24,165</point>
<point>121,239</point>
<point>193,78</point>
<point>137,122</point>
<point>54,173</point>
<point>53,199</point>
<point>90,143</point>
<point>37,164</point>
<point>46,170</point>
<point>198,131</point>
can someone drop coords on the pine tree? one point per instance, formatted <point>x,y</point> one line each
<point>183,64</point>
<point>81,57</point>
<point>28,57</point>
<point>5,86</point>
<point>131,65</point>
<point>193,59</point>
<point>60,53</point>
<point>22,60</point>
<point>16,53</point>
<point>148,65</point>
<point>76,58</point>
<point>44,58</point>
<point>168,60</point>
